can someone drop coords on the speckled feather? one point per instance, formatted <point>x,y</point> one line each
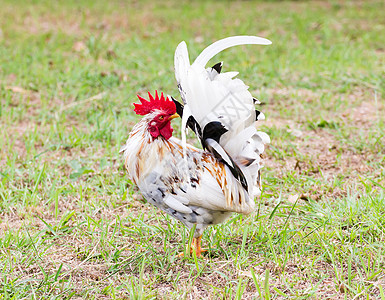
<point>196,189</point>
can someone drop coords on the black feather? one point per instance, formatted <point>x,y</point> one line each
<point>235,170</point>
<point>218,67</point>
<point>257,113</point>
<point>191,122</point>
<point>213,130</point>
<point>179,106</point>
<point>194,126</point>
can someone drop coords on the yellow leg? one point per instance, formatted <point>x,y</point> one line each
<point>195,247</point>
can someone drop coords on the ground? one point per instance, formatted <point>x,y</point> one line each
<point>73,226</point>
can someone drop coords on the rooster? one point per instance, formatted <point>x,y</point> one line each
<point>199,187</point>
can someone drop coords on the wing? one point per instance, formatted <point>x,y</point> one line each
<point>221,106</point>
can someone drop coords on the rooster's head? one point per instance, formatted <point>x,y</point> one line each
<point>161,111</point>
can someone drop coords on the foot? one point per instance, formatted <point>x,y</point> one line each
<point>195,247</point>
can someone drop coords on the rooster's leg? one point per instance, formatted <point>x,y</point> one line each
<point>195,247</point>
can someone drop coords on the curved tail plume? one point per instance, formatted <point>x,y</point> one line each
<point>223,44</point>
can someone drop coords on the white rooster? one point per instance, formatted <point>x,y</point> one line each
<point>200,187</point>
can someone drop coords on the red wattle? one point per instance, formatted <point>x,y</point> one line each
<point>166,131</point>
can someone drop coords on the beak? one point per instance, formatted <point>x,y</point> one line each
<point>173,116</point>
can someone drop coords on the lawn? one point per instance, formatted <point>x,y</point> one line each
<point>73,226</point>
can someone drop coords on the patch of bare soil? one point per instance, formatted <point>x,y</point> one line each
<point>367,113</point>
<point>319,152</point>
<point>27,98</point>
<point>284,93</point>
<point>49,23</point>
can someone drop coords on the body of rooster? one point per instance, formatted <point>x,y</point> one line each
<point>199,187</point>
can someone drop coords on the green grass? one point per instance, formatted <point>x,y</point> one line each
<point>73,225</point>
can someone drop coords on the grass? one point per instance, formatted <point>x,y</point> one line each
<point>73,226</point>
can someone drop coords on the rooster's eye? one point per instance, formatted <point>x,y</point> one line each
<point>161,118</point>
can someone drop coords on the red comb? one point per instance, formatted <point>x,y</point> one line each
<point>162,103</point>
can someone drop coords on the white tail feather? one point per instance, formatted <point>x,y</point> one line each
<point>223,44</point>
<point>181,60</point>
<point>210,96</point>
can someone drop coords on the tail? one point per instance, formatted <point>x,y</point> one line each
<point>215,99</point>
<point>223,44</point>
